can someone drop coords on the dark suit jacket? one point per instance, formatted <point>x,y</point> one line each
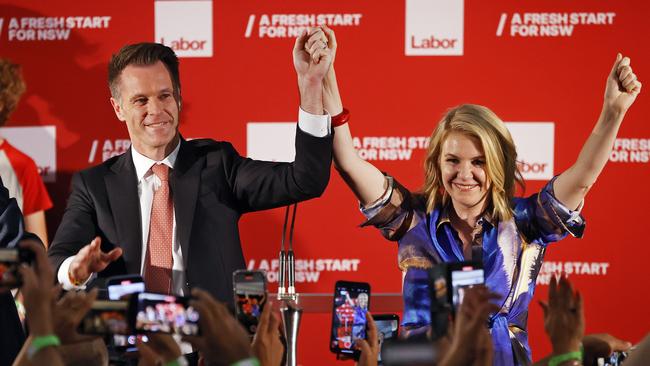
<point>211,185</point>
<point>12,336</point>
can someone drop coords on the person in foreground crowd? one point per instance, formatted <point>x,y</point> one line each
<point>468,341</point>
<point>19,172</point>
<point>55,341</point>
<point>224,341</point>
<point>169,208</point>
<point>12,335</point>
<point>467,209</point>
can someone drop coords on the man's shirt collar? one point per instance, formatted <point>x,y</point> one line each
<point>143,163</point>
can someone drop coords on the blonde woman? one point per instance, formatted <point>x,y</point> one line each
<point>467,209</point>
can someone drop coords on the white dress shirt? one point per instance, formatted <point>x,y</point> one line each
<point>315,125</point>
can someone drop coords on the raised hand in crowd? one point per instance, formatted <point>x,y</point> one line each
<point>601,345</point>
<point>160,350</point>
<point>564,320</point>
<point>39,293</point>
<point>267,344</point>
<point>223,340</point>
<point>471,343</point>
<point>90,259</point>
<point>369,348</point>
<point>68,313</point>
<point>77,349</point>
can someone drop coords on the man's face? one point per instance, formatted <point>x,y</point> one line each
<point>147,105</point>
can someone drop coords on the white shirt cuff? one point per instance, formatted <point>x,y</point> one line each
<point>64,279</point>
<point>315,125</point>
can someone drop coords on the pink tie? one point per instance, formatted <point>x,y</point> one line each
<point>158,263</point>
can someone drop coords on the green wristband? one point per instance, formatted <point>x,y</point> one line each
<point>247,362</point>
<point>38,343</point>
<point>558,359</point>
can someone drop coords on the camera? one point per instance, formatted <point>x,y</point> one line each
<point>157,313</point>
<point>249,288</point>
<point>351,302</point>
<point>449,281</point>
<point>10,260</point>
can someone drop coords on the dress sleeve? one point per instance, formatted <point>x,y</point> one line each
<point>543,219</point>
<point>392,213</point>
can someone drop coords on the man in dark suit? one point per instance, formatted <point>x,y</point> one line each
<point>169,208</point>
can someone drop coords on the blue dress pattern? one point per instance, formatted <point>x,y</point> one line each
<point>512,254</point>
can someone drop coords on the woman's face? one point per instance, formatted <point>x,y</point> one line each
<point>462,165</point>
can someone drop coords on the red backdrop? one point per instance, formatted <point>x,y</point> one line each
<point>526,66</point>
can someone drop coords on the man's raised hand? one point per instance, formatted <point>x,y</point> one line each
<point>91,259</point>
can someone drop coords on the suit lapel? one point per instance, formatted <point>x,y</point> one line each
<point>122,190</point>
<point>184,180</point>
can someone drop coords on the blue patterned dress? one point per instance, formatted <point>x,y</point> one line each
<point>511,251</point>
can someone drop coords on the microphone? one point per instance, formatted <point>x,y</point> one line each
<point>291,312</point>
<point>287,275</point>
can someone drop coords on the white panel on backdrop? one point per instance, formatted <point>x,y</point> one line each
<point>271,141</point>
<point>535,147</point>
<point>185,26</point>
<point>434,27</point>
<point>39,143</point>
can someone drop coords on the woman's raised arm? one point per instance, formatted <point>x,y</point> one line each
<point>366,181</point>
<point>621,91</point>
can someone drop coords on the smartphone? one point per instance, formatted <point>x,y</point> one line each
<point>122,286</point>
<point>10,260</point>
<point>615,359</point>
<point>351,301</point>
<point>157,313</point>
<point>249,288</point>
<point>387,329</point>
<point>106,317</point>
<point>450,281</point>
<point>462,276</point>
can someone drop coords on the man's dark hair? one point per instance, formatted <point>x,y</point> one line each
<point>12,87</point>
<point>143,54</point>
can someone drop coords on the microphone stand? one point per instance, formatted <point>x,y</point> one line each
<point>291,312</point>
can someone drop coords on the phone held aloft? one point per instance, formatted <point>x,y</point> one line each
<point>249,288</point>
<point>450,281</point>
<point>142,313</point>
<point>10,260</point>
<point>351,302</point>
<point>387,330</point>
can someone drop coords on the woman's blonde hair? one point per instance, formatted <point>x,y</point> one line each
<point>500,158</point>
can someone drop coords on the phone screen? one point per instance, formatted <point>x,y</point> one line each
<point>386,329</point>
<point>351,301</point>
<point>250,297</point>
<point>165,314</point>
<point>125,287</point>
<point>463,279</point>
<point>106,317</point>
<point>10,260</point>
